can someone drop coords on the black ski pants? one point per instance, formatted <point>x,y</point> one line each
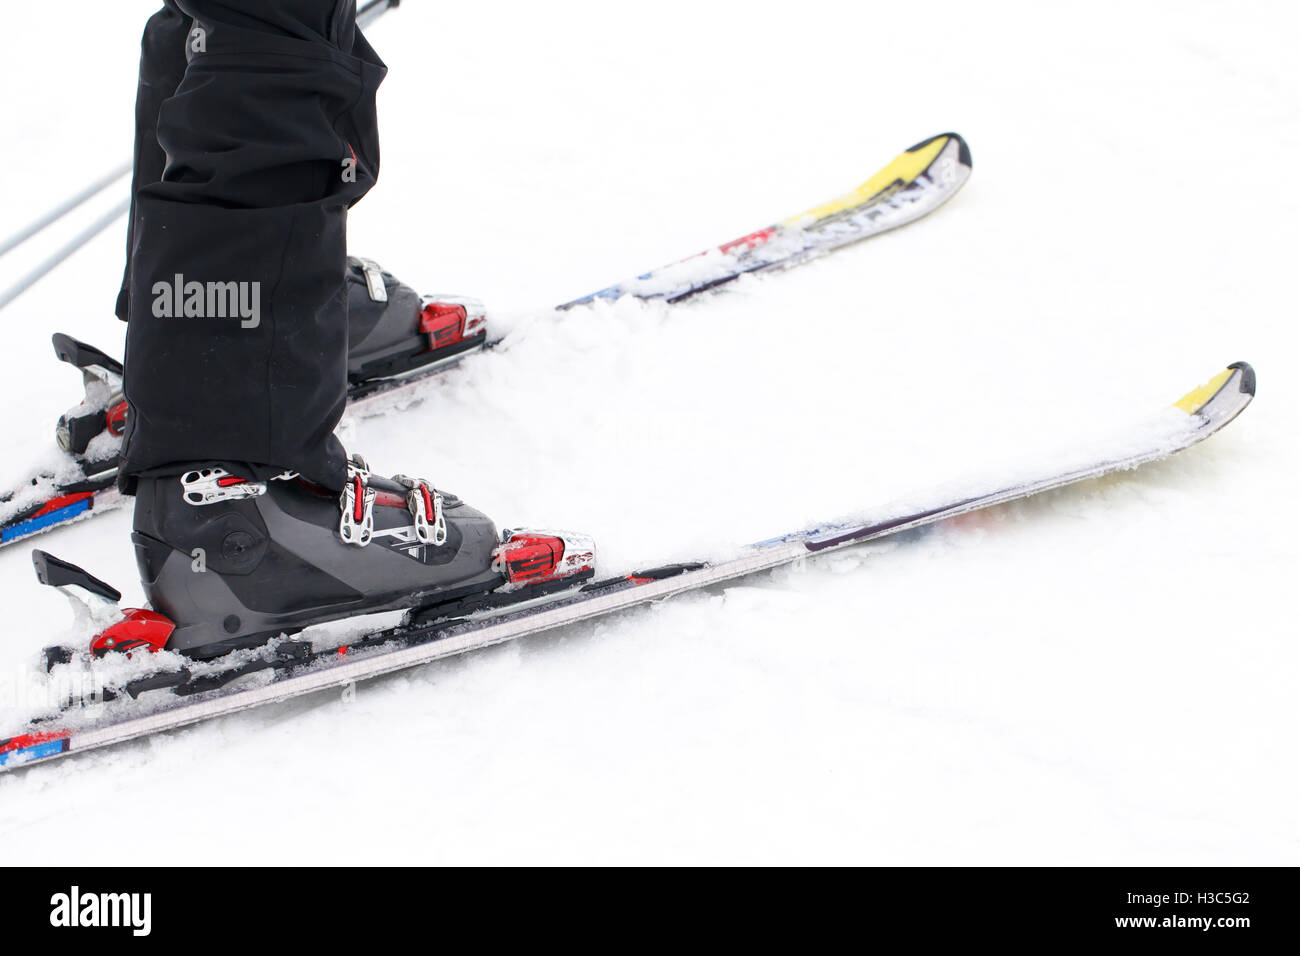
<point>255,131</point>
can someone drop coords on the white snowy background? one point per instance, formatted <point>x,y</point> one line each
<point>1106,675</point>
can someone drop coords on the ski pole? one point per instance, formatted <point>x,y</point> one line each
<point>372,11</point>
<point>65,207</point>
<point>83,237</point>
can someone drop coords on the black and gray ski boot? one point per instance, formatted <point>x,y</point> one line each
<point>394,332</point>
<point>231,559</point>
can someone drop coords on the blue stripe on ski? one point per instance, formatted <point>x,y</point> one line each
<point>50,748</point>
<point>33,525</point>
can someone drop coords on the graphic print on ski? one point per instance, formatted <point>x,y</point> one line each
<point>188,698</point>
<point>914,183</point>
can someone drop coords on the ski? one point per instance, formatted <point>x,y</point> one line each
<point>913,184</point>
<point>184,697</point>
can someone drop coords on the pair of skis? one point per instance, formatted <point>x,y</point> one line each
<point>914,183</point>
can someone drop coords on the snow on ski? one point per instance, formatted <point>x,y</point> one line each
<point>913,184</point>
<point>1196,416</point>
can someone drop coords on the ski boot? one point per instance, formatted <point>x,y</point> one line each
<point>230,559</point>
<point>383,346</point>
<point>393,333</point>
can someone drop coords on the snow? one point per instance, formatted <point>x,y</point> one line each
<point>1103,675</point>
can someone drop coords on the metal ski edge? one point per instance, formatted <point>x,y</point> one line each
<point>1226,402</point>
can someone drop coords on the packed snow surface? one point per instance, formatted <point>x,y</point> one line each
<point>1105,674</point>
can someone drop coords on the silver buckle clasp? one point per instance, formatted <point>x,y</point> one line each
<point>425,505</point>
<point>357,504</point>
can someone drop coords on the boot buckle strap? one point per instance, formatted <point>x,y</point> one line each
<point>374,278</point>
<point>425,505</point>
<point>357,507</point>
<point>206,486</point>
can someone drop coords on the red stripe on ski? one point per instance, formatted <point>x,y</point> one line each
<point>62,501</point>
<point>30,740</point>
<point>751,241</point>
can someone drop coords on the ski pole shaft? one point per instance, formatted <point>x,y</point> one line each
<point>83,237</point>
<point>368,13</point>
<point>65,207</point>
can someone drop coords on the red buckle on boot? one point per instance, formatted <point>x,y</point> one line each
<point>530,557</point>
<point>451,321</point>
<point>533,557</point>
<point>444,323</point>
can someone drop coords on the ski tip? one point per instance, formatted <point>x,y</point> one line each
<point>931,158</point>
<point>963,150</point>
<point>1238,373</point>
<point>1247,377</point>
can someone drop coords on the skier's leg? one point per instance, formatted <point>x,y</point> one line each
<point>269,136</point>
<point>388,334</point>
<point>237,340</point>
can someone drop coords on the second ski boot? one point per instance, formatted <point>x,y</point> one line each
<point>393,333</point>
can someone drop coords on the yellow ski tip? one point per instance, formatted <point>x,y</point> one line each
<point>1199,397</point>
<point>901,172</point>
